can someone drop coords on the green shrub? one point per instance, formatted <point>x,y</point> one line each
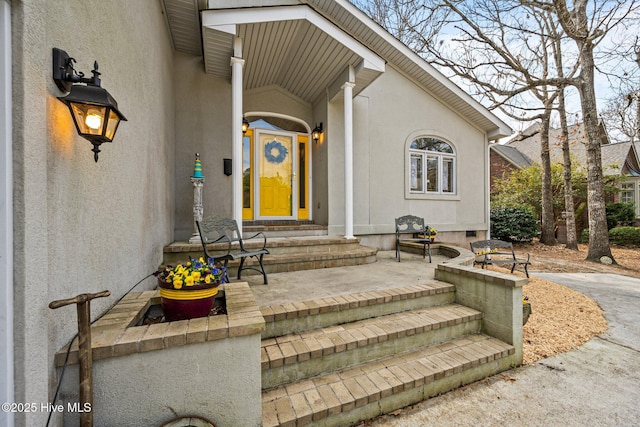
<point>620,214</point>
<point>513,223</point>
<point>584,236</point>
<point>625,236</point>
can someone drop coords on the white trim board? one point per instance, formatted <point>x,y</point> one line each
<point>6,217</point>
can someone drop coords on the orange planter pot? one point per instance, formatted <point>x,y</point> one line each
<point>187,303</point>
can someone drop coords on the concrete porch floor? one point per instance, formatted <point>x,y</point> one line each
<point>308,285</point>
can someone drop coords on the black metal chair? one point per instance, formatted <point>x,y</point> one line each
<point>413,225</point>
<point>225,230</point>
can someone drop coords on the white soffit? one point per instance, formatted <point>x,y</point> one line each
<point>183,16</point>
<point>290,46</point>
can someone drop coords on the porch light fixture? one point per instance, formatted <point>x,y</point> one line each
<point>245,125</point>
<point>316,132</point>
<point>95,113</point>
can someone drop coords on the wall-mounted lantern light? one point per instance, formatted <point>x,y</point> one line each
<point>316,133</point>
<point>94,111</point>
<point>245,125</point>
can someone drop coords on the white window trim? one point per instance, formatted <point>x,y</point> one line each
<point>425,194</point>
<point>636,196</point>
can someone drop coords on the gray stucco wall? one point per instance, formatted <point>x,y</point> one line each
<point>219,380</point>
<point>203,116</point>
<point>388,115</point>
<point>82,226</point>
<point>203,125</point>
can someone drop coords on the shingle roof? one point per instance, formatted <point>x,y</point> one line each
<point>620,158</point>
<point>512,155</point>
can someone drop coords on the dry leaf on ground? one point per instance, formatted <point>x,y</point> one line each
<point>563,319</point>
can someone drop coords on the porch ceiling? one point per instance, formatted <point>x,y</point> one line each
<point>292,47</point>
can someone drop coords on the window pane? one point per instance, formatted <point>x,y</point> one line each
<point>431,144</point>
<point>432,174</point>
<point>447,175</point>
<point>246,172</point>
<point>416,173</point>
<point>302,157</point>
<point>627,193</point>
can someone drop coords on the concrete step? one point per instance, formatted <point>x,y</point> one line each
<point>295,357</point>
<point>285,254</point>
<point>180,251</point>
<point>298,317</point>
<point>277,230</point>
<point>358,393</point>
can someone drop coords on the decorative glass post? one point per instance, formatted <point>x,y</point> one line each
<point>198,181</point>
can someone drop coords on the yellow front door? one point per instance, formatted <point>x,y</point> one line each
<point>276,168</point>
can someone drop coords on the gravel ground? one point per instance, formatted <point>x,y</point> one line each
<point>562,318</point>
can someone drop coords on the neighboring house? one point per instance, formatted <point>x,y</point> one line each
<point>504,159</point>
<point>619,159</point>
<point>397,138</point>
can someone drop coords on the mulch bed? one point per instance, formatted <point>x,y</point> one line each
<point>563,319</point>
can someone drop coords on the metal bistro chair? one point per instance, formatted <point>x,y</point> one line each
<point>413,225</point>
<point>225,230</point>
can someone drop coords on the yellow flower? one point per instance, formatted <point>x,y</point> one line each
<point>207,279</point>
<point>201,260</point>
<point>196,276</point>
<point>177,283</point>
<point>189,281</point>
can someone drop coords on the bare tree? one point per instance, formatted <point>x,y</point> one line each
<point>587,25</point>
<point>505,54</point>
<point>495,37</point>
<point>622,113</point>
<point>569,209</point>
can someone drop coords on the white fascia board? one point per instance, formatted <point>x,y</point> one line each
<point>226,28</point>
<point>217,19</point>
<point>224,4</point>
<point>501,130</point>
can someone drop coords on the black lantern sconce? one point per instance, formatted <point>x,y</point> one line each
<point>95,113</point>
<point>245,125</point>
<point>316,133</point>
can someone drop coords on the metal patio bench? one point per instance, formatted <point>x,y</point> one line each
<point>497,252</point>
<point>413,225</point>
<point>225,230</point>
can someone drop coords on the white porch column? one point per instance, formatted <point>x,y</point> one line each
<point>236,131</point>
<point>348,159</point>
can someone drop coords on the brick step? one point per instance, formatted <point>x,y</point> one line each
<point>293,246</point>
<point>297,356</point>
<point>298,317</point>
<point>280,230</point>
<point>283,263</point>
<point>346,397</point>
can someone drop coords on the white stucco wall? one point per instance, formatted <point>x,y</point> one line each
<point>219,380</point>
<point>203,125</point>
<point>387,116</point>
<point>82,226</point>
<point>203,117</point>
<point>319,158</point>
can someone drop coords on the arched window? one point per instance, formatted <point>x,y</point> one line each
<point>433,166</point>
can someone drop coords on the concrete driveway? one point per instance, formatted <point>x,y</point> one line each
<point>595,385</point>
